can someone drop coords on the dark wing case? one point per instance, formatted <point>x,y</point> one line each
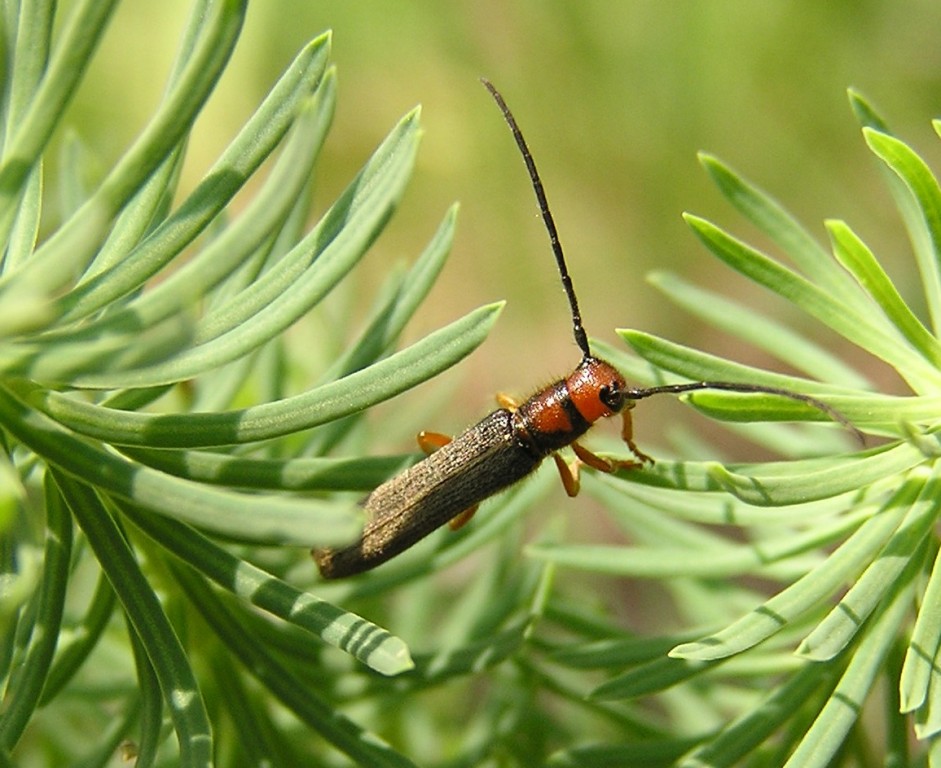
<point>475,465</point>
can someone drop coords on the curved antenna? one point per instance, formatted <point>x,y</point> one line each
<point>727,386</point>
<point>581,338</point>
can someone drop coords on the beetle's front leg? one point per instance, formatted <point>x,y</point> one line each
<point>627,435</point>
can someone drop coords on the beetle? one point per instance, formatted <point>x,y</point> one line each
<point>510,443</point>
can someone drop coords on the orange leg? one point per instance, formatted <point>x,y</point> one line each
<point>595,461</point>
<point>571,473</point>
<point>627,435</point>
<point>430,442</point>
<point>462,518</point>
<point>507,401</point>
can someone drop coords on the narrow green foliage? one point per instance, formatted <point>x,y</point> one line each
<point>31,676</point>
<point>171,667</point>
<point>853,546</point>
<point>146,323</point>
<point>183,397</point>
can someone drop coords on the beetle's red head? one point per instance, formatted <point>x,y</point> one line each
<point>597,389</point>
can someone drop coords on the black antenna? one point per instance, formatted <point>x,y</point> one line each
<point>581,338</point>
<point>728,386</point>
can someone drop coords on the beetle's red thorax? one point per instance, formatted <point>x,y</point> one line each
<point>562,412</point>
<point>549,412</point>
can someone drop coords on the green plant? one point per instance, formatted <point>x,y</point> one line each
<point>105,379</point>
<point>152,399</point>
<point>855,525</point>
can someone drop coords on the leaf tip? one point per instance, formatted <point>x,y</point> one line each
<point>708,160</point>
<point>811,649</point>
<point>323,40</point>
<point>706,649</point>
<point>391,658</point>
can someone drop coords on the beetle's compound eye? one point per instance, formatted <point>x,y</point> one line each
<point>612,395</point>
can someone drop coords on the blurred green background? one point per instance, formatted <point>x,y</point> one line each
<point>615,99</point>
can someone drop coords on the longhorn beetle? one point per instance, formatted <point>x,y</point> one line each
<point>512,441</point>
